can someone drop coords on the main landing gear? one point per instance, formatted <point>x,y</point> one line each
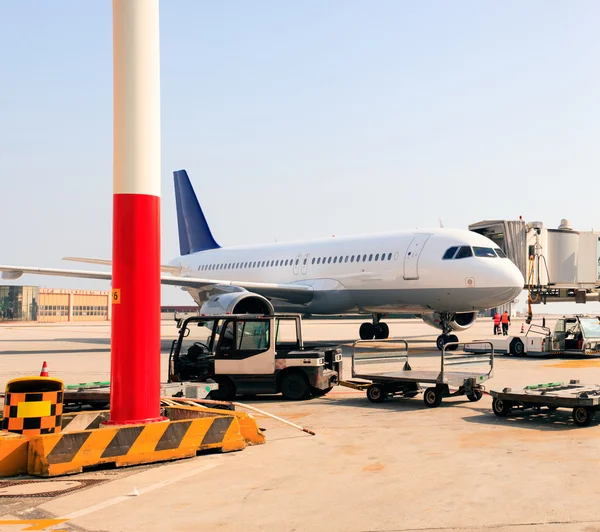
<point>377,329</point>
<point>446,337</point>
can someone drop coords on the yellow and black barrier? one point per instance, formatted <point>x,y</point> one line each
<point>70,452</point>
<point>13,454</point>
<point>33,405</point>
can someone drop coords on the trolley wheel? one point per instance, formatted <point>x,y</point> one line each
<point>582,416</point>
<point>475,396</point>
<point>501,408</point>
<point>376,393</point>
<point>432,397</point>
<point>517,348</point>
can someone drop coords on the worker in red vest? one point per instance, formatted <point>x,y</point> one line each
<point>505,321</point>
<point>496,323</point>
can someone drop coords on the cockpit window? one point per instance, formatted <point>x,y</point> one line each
<point>484,252</point>
<point>464,252</point>
<point>500,253</point>
<point>450,253</point>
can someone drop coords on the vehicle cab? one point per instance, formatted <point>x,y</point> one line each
<point>577,333</point>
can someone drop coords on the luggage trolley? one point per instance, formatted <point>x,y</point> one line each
<point>583,399</point>
<point>385,365</point>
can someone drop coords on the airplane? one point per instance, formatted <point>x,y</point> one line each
<point>445,276</point>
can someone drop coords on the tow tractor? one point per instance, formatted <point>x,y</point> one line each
<point>573,335</point>
<point>252,354</point>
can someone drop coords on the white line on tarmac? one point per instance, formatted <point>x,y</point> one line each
<point>141,491</point>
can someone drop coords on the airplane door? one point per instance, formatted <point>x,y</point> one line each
<point>305,263</point>
<point>297,264</point>
<point>411,259</point>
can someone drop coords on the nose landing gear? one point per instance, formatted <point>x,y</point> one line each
<point>446,337</point>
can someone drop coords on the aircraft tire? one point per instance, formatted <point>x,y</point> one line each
<point>366,331</point>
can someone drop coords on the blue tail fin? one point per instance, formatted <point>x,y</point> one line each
<point>194,233</point>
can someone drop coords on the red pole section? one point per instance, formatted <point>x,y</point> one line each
<point>135,339</point>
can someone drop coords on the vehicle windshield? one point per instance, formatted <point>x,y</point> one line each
<point>199,334</point>
<point>591,327</point>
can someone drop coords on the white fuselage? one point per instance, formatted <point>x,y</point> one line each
<point>395,272</point>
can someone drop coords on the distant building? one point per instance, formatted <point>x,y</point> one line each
<point>30,303</point>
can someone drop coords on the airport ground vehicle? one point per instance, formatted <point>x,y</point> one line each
<point>573,335</point>
<point>384,370</point>
<point>251,354</point>
<point>584,399</point>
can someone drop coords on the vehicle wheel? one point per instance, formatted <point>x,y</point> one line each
<point>441,341</point>
<point>376,393</point>
<point>501,408</point>
<point>517,348</point>
<point>385,331</point>
<point>475,396</point>
<point>432,397</point>
<point>295,387</point>
<point>366,331</point>
<point>317,392</point>
<point>582,416</point>
<point>99,406</point>
<point>225,392</point>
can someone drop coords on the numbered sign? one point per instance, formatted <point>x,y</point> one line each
<point>116,296</point>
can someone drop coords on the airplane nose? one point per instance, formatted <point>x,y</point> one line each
<point>513,278</point>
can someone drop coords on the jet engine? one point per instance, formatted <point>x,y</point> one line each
<point>238,303</point>
<point>459,322</point>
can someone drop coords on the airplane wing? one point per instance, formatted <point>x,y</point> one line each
<point>294,293</point>
<point>163,267</point>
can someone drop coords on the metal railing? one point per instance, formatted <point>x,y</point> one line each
<point>384,353</point>
<point>466,359</point>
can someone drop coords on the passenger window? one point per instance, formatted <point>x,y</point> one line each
<point>389,256</point>
<point>329,260</point>
<point>334,260</point>
<point>352,258</point>
<point>364,258</point>
<point>370,257</point>
<point>500,253</point>
<point>318,260</point>
<point>304,262</point>
<point>346,259</point>
<point>297,261</point>
<point>377,256</point>
<point>484,252</point>
<point>464,252</point>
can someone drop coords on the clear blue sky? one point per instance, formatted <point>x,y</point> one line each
<point>304,119</point>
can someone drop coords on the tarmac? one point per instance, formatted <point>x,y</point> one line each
<point>395,466</point>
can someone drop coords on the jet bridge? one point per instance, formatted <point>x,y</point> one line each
<point>559,265</point>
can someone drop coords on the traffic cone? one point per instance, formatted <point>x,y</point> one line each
<point>44,372</point>
<point>522,327</point>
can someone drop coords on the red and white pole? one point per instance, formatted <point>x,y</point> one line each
<point>135,342</point>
